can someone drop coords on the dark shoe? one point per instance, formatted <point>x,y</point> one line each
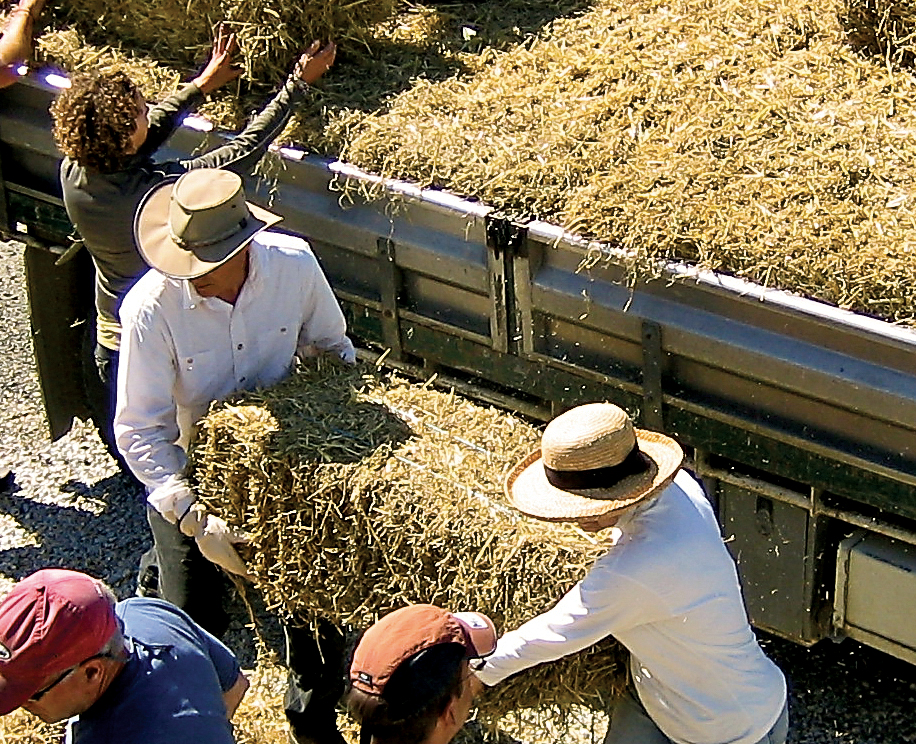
<point>148,581</point>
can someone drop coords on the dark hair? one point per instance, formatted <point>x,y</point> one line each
<point>95,118</point>
<point>418,693</point>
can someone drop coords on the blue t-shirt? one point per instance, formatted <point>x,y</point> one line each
<point>171,689</point>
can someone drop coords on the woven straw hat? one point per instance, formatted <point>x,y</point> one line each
<point>189,226</point>
<point>592,462</point>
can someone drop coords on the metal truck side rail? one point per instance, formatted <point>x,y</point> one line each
<point>801,416</point>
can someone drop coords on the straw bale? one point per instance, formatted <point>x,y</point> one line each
<point>886,28</point>
<point>771,139</point>
<point>69,49</point>
<point>180,32</point>
<point>362,492</point>
<point>743,137</point>
<point>260,718</point>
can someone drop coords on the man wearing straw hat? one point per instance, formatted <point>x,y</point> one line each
<point>227,307</point>
<point>667,588</point>
<point>136,672</point>
<point>410,676</point>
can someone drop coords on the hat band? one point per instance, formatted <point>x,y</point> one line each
<point>570,480</point>
<point>191,245</point>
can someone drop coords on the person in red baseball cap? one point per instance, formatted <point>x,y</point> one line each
<point>136,672</point>
<point>52,624</point>
<point>411,677</point>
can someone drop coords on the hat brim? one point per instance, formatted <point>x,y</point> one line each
<point>15,692</point>
<point>529,491</point>
<point>151,232</point>
<point>479,631</point>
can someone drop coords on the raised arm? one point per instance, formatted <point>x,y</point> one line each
<point>243,152</point>
<point>167,115</point>
<point>16,42</point>
<point>220,69</point>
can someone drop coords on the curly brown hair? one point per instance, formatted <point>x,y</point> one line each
<point>95,118</point>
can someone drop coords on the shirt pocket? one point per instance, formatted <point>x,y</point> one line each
<point>201,377</point>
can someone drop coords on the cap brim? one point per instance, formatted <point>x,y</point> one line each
<point>15,692</point>
<point>480,632</point>
<point>154,241</point>
<point>529,491</point>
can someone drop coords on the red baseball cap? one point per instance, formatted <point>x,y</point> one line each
<point>51,621</point>
<point>409,630</point>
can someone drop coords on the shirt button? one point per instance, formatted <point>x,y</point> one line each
<point>283,330</point>
<point>240,347</point>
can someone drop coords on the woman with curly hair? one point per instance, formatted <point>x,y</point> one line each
<point>109,139</point>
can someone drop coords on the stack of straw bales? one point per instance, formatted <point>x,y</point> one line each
<point>770,139</point>
<point>363,493</point>
<point>179,32</point>
<point>744,137</point>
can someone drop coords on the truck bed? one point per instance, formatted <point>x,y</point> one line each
<point>801,416</point>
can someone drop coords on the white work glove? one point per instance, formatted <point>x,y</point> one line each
<point>346,352</point>
<point>172,499</point>
<point>343,350</point>
<point>215,539</point>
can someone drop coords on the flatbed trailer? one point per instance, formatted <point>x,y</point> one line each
<point>799,416</point>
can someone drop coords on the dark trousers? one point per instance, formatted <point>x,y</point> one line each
<point>101,383</point>
<point>100,379</point>
<point>101,392</point>
<point>316,659</point>
<point>186,578</point>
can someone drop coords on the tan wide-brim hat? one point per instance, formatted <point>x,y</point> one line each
<point>592,462</point>
<point>188,226</point>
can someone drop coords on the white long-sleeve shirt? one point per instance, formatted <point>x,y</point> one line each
<point>668,590</point>
<point>180,351</point>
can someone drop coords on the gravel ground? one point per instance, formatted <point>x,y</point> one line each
<point>69,506</point>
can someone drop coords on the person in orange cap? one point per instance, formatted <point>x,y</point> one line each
<point>410,677</point>
<point>667,588</point>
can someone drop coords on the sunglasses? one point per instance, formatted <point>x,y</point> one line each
<point>66,673</point>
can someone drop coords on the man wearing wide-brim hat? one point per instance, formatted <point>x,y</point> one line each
<point>227,306</point>
<point>667,588</point>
